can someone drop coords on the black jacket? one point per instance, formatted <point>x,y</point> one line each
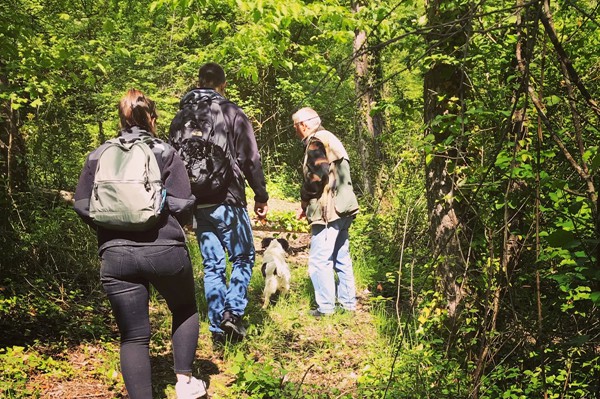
<point>178,207</point>
<point>242,143</point>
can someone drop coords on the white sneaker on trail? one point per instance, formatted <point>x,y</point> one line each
<point>192,389</point>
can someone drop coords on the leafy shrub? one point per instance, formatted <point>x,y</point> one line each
<point>18,366</point>
<point>264,380</point>
<point>287,221</point>
<point>44,311</point>
<point>283,183</point>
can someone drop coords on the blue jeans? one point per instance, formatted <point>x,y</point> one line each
<point>126,273</point>
<point>329,253</point>
<point>223,228</point>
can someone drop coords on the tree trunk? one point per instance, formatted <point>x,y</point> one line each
<point>378,116</point>
<point>515,191</point>
<point>444,94</point>
<point>369,124</point>
<point>364,121</point>
<point>12,149</point>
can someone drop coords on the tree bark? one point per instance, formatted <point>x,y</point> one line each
<point>364,122</point>
<point>12,149</point>
<point>444,94</point>
<point>370,124</point>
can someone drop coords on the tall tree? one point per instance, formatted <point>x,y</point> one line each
<point>14,26</point>
<point>13,150</point>
<point>445,93</point>
<point>369,124</point>
<point>364,123</point>
<point>516,191</point>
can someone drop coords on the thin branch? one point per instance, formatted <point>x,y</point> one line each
<point>302,381</point>
<point>584,13</point>
<point>408,209</point>
<point>564,59</point>
<point>540,109</point>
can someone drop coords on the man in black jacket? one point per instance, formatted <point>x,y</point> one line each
<point>223,224</point>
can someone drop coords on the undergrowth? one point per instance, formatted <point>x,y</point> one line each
<point>59,337</point>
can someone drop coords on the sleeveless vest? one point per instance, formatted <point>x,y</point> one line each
<point>338,198</point>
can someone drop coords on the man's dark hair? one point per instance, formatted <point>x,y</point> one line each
<point>211,75</point>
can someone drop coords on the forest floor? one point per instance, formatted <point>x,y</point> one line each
<point>315,358</point>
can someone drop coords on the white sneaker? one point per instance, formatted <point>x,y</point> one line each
<point>192,389</point>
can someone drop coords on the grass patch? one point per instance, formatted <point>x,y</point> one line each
<point>70,347</point>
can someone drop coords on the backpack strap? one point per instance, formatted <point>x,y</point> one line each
<point>218,119</point>
<point>128,143</point>
<point>219,123</point>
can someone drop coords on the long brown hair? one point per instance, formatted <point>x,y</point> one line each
<point>135,109</point>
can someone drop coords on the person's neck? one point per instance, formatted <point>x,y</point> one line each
<point>310,131</point>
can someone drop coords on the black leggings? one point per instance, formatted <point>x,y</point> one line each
<point>126,273</point>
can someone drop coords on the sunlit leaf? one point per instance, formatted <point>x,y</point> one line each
<point>36,103</point>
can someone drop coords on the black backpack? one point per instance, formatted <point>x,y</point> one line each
<point>199,135</point>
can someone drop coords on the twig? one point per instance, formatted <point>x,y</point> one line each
<point>408,209</point>
<point>564,59</point>
<point>302,381</point>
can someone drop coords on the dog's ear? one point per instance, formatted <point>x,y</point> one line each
<point>284,244</point>
<point>265,242</point>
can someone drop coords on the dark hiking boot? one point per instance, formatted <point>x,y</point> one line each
<point>232,325</point>
<point>315,313</point>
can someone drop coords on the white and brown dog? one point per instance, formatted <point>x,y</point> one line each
<point>275,268</point>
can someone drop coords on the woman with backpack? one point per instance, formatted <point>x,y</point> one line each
<point>143,247</point>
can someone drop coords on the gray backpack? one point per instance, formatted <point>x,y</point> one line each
<point>128,193</point>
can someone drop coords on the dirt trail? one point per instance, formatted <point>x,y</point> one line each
<point>326,355</point>
<point>299,242</point>
<point>322,355</point>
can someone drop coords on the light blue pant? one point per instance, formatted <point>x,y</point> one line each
<point>329,253</point>
<point>223,228</point>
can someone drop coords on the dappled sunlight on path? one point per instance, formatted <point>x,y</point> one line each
<point>285,348</point>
